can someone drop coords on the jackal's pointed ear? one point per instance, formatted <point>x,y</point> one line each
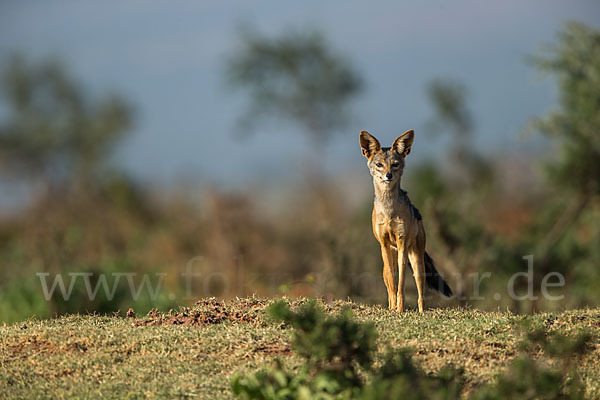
<point>368,144</point>
<point>404,142</point>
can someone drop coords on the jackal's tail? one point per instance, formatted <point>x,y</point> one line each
<point>433,279</point>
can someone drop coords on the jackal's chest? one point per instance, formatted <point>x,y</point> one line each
<point>388,226</point>
<point>390,219</point>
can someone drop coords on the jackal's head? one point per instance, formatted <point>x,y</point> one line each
<point>386,164</point>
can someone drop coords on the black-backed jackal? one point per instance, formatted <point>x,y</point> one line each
<point>397,224</point>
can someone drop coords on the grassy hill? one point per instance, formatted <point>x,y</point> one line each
<point>193,352</point>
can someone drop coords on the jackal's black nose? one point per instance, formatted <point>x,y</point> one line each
<point>388,175</point>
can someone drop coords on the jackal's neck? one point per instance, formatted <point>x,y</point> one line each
<point>386,195</point>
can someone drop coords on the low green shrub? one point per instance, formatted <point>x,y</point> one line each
<point>338,354</point>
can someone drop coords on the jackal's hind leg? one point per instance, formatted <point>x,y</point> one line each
<point>417,261</point>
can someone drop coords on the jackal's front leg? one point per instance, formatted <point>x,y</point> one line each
<point>388,274</point>
<point>402,261</point>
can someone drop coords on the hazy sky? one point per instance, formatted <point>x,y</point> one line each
<point>167,59</point>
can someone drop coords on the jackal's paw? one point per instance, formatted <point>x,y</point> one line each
<point>392,302</point>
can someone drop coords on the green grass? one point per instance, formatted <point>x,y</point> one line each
<point>192,353</point>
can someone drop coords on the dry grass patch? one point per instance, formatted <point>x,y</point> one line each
<point>193,352</point>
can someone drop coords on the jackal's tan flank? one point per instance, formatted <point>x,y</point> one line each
<point>397,224</point>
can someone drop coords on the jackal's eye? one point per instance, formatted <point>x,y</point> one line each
<point>379,165</point>
<point>395,165</point>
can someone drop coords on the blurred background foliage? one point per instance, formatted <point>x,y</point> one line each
<point>483,213</point>
<point>297,77</point>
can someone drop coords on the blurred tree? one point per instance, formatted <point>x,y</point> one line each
<point>448,98</point>
<point>296,76</point>
<point>575,125</point>
<point>54,133</point>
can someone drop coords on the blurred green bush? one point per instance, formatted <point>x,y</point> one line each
<point>338,355</point>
